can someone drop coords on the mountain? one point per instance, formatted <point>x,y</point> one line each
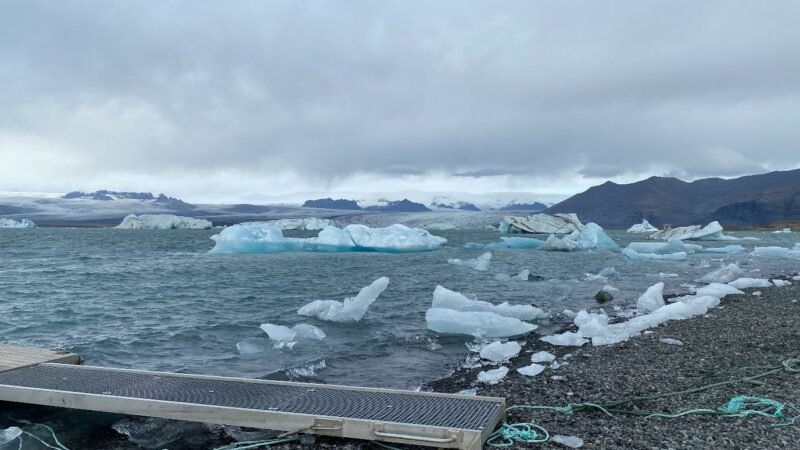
<point>535,206</point>
<point>404,205</point>
<point>748,200</point>
<point>329,203</point>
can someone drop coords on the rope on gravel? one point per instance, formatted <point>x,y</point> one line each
<point>57,446</point>
<point>512,433</point>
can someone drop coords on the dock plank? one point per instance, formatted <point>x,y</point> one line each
<point>17,356</point>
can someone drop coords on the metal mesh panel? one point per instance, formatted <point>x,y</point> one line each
<point>412,408</point>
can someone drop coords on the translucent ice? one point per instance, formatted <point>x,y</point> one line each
<point>493,376</point>
<point>566,338</point>
<point>475,323</point>
<point>636,256</point>
<point>778,252</point>
<point>509,242</point>
<point>781,283</point>
<point>480,263</point>
<point>718,290</point>
<point>568,441</point>
<point>521,276</point>
<point>652,299</point>
<point>287,337</point>
<point>11,223</point>
<point>744,283</point>
<point>444,298</point>
<point>500,351</point>
<point>724,274</point>
<point>349,310</point>
<point>163,222</point>
<point>531,370</point>
<point>9,434</point>
<point>542,357</point>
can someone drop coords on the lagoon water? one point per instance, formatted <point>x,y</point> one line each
<point>156,300</point>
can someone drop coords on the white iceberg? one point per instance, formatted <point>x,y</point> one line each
<point>531,370</point>
<point>718,290</point>
<point>567,338</point>
<point>590,237</point>
<point>475,323</point>
<point>781,283</point>
<point>710,232</point>
<point>541,223</point>
<point>745,283</point>
<point>287,337</point>
<point>783,231</point>
<point>636,256</point>
<point>509,242</point>
<point>480,263</point>
<point>351,309</point>
<point>652,299</point>
<point>163,222</point>
<point>444,298</point>
<point>724,274</point>
<point>493,376</point>
<point>642,228</point>
<point>778,252</point>
<point>500,351</point>
<point>11,223</point>
<point>259,237</point>
<point>663,248</point>
<point>539,357</point>
<point>306,223</point>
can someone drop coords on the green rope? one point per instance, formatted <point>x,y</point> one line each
<point>512,433</point>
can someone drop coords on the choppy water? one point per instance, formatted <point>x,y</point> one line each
<point>156,300</point>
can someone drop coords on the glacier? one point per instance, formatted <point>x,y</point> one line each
<point>444,298</point>
<point>351,309</point>
<point>163,222</point>
<point>541,223</point>
<point>475,323</point>
<point>306,224</point>
<point>11,223</point>
<point>260,237</point>
<point>480,263</point>
<point>642,228</point>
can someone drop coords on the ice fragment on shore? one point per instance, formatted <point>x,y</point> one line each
<point>542,357</point>
<point>8,435</point>
<point>468,392</point>
<point>568,441</point>
<point>493,376</point>
<point>447,299</point>
<point>718,290</point>
<point>531,370</point>
<point>757,293</point>
<point>568,338</point>
<point>351,309</point>
<point>781,283</point>
<point>480,263</point>
<point>670,341</point>
<point>642,228</point>
<point>500,351</point>
<point>475,323</point>
<point>652,299</point>
<point>724,274</point>
<point>744,283</point>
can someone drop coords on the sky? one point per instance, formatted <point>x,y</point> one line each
<point>216,101</point>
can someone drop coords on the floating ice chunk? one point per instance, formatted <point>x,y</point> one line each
<point>592,236</point>
<point>521,276</point>
<point>728,249</point>
<point>509,242</point>
<point>446,299</point>
<point>670,341</point>
<point>781,283</point>
<point>785,230</point>
<point>710,232</point>
<point>349,310</point>
<point>541,223</point>
<point>279,333</point>
<point>642,228</point>
<point>778,252</point>
<point>306,223</point>
<point>661,248</point>
<point>542,357</point>
<point>796,278</point>
<point>500,351</point>
<point>603,275</point>
<point>636,256</point>
<point>163,222</point>
<point>531,370</point>
<point>259,237</point>
<point>9,434</point>
<point>480,263</point>
<point>287,337</point>
<point>745,283</point>
<point>724,274</point>
<point>556,244</point>
<point>11,223</point>
<point>718,290</point>
<point>568,441</point>
<point>475,323</point>
<point>493,376</point>
<point>652,299</point>
<point>304,330</point>
<point>568,338</point>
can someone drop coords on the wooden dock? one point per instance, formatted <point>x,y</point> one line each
<point>44,377</point>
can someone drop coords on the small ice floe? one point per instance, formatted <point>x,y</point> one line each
<point>498,352</point>
<point>642,228</point>
<point>351,309</point>
<point>636,256</point>
<point>652,299</point>
<point>480,263</point>
<point>783,231</point>
<point>670,341</point>
<point>724,274</point>
<point>558,378</point>
<point>745,283</point>
<point>531,370</point>
<point>493,376</point>
<point>757,293</point>
<point>286,337</point>
<point>609,288</point>
<point>468,392</point>
<point>521,276</point>
<point>728,249</point>
<point>567,338</point>
<point>667,275</point>
<point>539,357</point>
<point>446,299</point>
<point>603,275</point>
<point>509,242</point>
<point>781,283</point>
<point>11,223</point>
<point>778,252</point>
<point>567,441</point>
<point>718,290</point>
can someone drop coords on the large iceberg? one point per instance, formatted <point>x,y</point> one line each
<point>11,223</point>
<point>642,228</point>
<point>710,232</point>
<point>541,223</point>
<point>480,263</point>
<point>475,323</point>
<point>306,223</point>
<point>444,298</point>
<point>349,310</point>
<point>260,237</point>
<point>163,222</point>
<point>590,237</point>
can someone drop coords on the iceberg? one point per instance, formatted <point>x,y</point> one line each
<point>163,222</point>
<point>710,232</point>
<point>493,376</point>
<point>11,223</point>
<point>784,231</point>
<point>590,237</point>
<point>541,223</point>
<point>652,299</point>
<point>636,256</point>
<point>523,275</point>
<point>745,283</point>
<point>781,283</point>
<point>260,237</point>
<point>719,290</point>
<point>287,337</point>
<point>351,309</point>
<point>475,323</point>
<point>642,228</point>
<point>539,357</point>
<point>778,252</point>
<point>531,370</point>
<point>500,351</point>
<point>567,338</point>
<point>444,298</point>
<point>672,245</point>
<point>480,263</point>
<point>724,274</point>
<point>509,242</point>
<point>306,223</point>
<point>728,249</point>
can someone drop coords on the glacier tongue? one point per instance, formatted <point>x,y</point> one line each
<point>351,309</point>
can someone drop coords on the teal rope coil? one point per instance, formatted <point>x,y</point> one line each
<point>512,433</point>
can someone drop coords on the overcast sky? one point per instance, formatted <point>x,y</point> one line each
<point>220,100</point>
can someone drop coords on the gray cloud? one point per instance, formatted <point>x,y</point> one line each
<point>328,90</point>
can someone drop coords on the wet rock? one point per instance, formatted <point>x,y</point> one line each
<point>603,297</point>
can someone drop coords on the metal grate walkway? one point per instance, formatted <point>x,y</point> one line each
<point>419,418</point>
